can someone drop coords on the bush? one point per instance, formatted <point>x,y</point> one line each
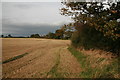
<point>88,37</point>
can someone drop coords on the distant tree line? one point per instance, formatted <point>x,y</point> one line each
<point>8,36</point>
<point>64,32</point>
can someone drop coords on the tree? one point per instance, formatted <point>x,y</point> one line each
<point>50,35</point>
<point>9,35</point>
<point>2,36</point>
<point>95,25</point>
<point>35,36</point>
<point>68,30</point>
<point>96,15</point>
<point>59,34</point>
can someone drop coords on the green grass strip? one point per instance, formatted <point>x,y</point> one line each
<point>80,56</point>
<point>53,71</point>
<point>14,58</point>
<point>107,71</point>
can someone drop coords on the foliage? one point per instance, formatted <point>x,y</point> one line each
<point>35,36</point>
<point>96,26</point>
<point>64,32</point>
<point>59,33</point>
<point>9,35</point>
<point>2,36</point>
<point>50,35</point>
<point>95,14</point>
<point>68,30</point>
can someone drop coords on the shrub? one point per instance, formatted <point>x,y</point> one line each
<point>88,37</point>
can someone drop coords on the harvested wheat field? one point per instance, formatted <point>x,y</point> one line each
<point>38,58</point>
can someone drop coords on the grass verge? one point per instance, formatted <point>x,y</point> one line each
<point>96,67</point>
<point>14,58</point>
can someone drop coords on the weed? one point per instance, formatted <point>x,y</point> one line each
<point>14,58</point>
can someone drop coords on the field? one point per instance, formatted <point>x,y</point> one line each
<point>38,58</point>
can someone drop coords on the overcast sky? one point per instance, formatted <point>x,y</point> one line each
<point>25,18</point>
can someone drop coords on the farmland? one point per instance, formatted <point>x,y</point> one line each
<point>38,58</point>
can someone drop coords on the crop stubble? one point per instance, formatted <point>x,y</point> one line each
<point>40,60</point>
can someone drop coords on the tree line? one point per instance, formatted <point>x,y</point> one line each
<point>64,32</point>
<point>97,24</point>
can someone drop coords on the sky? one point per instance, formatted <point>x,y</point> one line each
<point>26,18</point>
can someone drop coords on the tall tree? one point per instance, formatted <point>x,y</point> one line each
<point>97,24</point>
<point>103,16</point>
<point>51,35</point>
<point>59,33</point>
<point>68,30</point>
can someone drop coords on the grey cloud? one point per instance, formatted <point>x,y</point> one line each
<point>22,6</point>
<point>27,29</point>
<point>27,18</point>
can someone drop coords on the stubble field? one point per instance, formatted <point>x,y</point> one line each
<point>45,58</point>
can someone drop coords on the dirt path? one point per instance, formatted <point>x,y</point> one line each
<point>66,65</point>
<point>46,59</point>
